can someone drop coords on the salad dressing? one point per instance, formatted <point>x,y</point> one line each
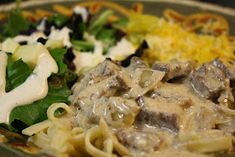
<point>62,34</point>
<point>33,89</point>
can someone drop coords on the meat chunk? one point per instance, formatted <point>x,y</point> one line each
<point>139,141</point>
<point>211,81</point>
<point>228,71</point>
<point>158,113</point>
<point>170,93</point>
<point>107,87</point>
<point>97,74</point>
<point>208,81</point>
<point>104,80</point>
<point>117,112</point>
<point>174,69</point>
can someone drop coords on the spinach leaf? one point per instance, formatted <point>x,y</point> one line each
<point>16,23</point>
<point>107,36</point>
<point>17,72</point>
<point>99,22</point>
<point>83,46</point>
<point>78,27</point>
<point>58,20</point>
<point>36,112</point>
<point>59,91</point>
<point>58,55</point>
<point>121,23</point>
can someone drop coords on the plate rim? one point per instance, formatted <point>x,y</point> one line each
<point>191,3</point>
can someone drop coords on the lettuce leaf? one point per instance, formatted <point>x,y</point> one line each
<point>59,91</point>
<point>16,23</point>
<point>58,55</point>
<point>83,46</point>
<point>36,112</point>
<point>17,72</point>
<point>98,23</point>
<point>58,20</point>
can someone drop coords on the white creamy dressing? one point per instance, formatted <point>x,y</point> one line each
<point>3,65</point>
<point>30,39</point>
<point>82,11</point>
<point>121,50</point>
<point>89,59</point>
<point>9,45</point>
<point>33,89</point>
<point>62,34</point>
<point>42,25</point>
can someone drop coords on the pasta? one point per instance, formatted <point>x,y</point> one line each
<point>56,137</point>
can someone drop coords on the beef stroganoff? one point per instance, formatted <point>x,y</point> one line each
<point>102,80</point>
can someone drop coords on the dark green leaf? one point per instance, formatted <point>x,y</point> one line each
<point>107,36</point>
<point>99,22</point>
<point>58,55</point>
<point>17,72</point>
<point>78,27</point>
<point>15,24</point>
<point>36,112</point>
<point>58,19</point>
<point>83,46</point>
<point>59,85</point>
<point>122,22</point>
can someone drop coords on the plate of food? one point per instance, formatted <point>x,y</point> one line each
<point>117,78</point>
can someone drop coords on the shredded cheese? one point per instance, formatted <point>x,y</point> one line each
<point>170,41</point>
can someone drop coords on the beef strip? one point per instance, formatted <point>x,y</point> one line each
<point>95,81</point>
<point>174,69</point>
<point>102,71</point>
<point>170,92</point>
<point>211,81</point>
<point>228,71</point>
<point>158,113</point>
<point>116,111</point>
<point>139,141</point>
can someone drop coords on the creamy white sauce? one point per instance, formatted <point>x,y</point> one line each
<point>82,11</point>
<point>121,50</point>
<point>31,39</point>
<point>42,25</point>
<point>3,65</point>
<point>9,45</point>
<point>89,59</point>
<point>62,34</point>
<point>33,89</point>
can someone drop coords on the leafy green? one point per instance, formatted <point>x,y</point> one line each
<point>83,46</point>
<point>16,23</point>
<point>58,55</point>
<point>58,20</point>
<point>107,36</point>
<point>17,72</point>
<point>59,91</point>
<point>36,112</point>
<point>78,27</point>
<point>99,22</point>
<point>122,22</point>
